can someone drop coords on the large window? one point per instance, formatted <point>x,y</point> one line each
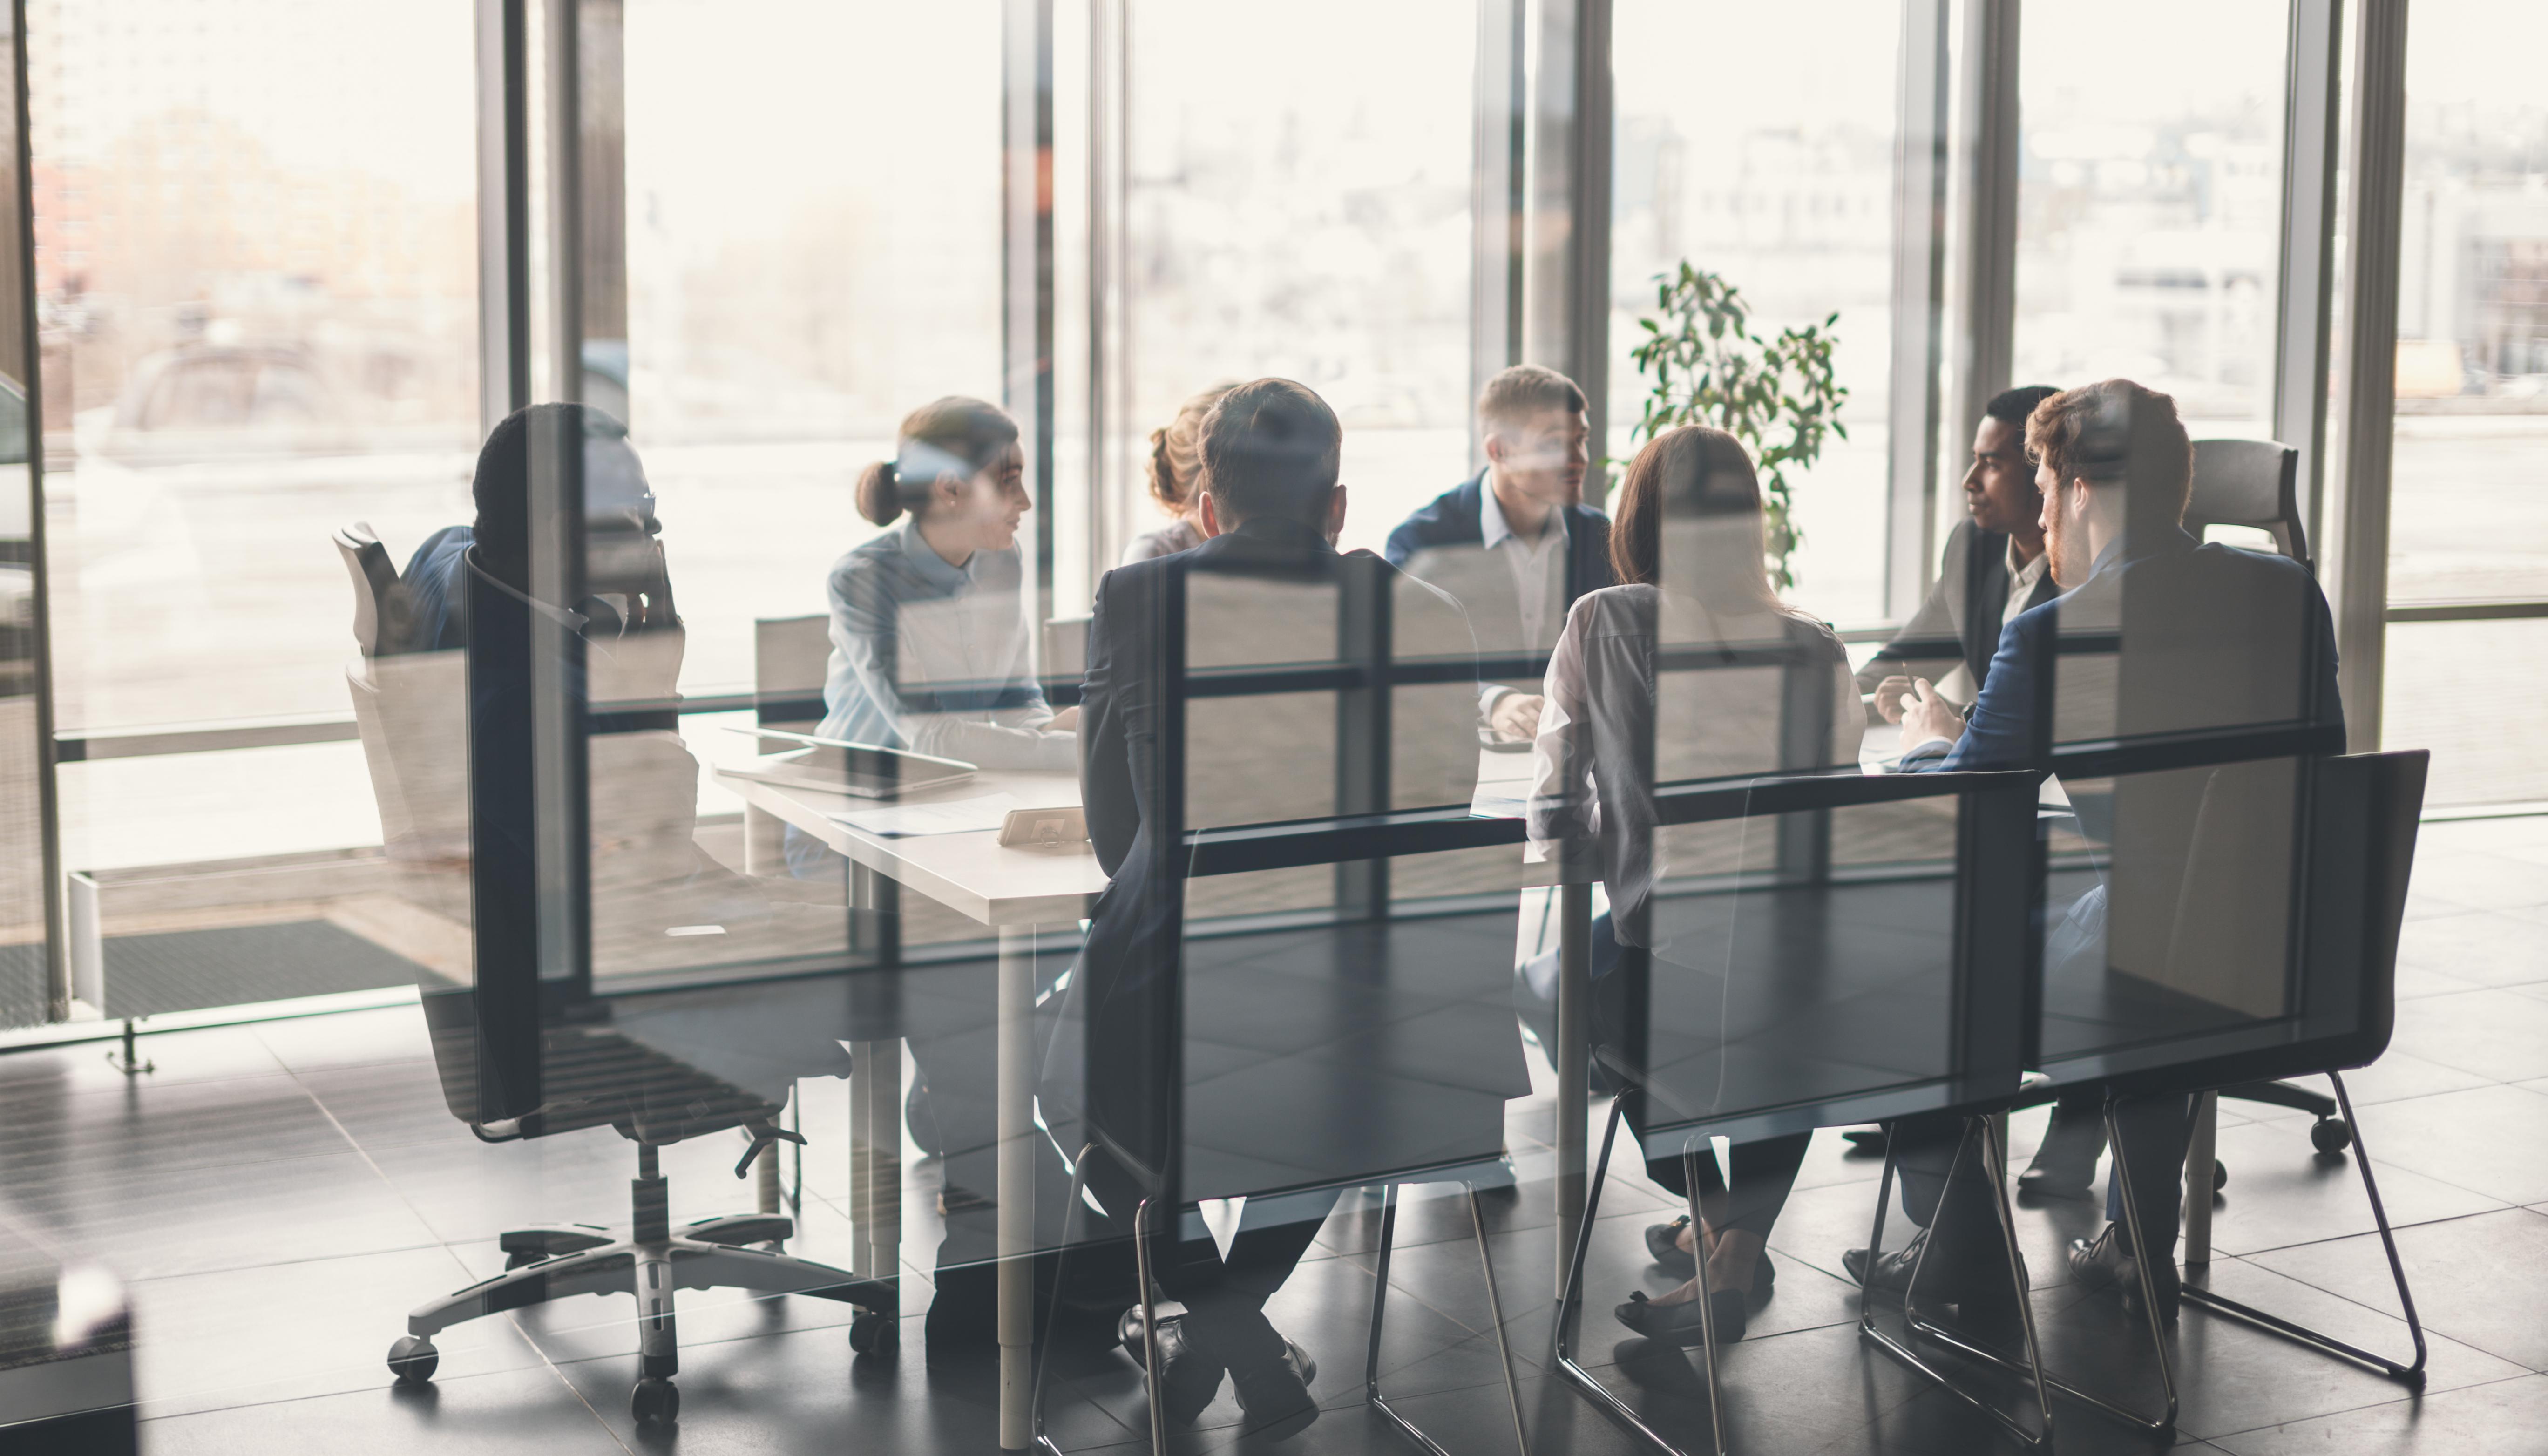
<point>2149,203</point>
<point>256,284</point>
<point>1298,203</point>
<point>2468,522</point>
<point>1779,178</point>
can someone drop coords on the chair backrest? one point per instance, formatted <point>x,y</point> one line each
<point>2249,483</point>
<point>380,606</point>
<point>790,657</point>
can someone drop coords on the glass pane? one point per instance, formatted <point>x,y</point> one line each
<point>23,975</point>
<point>2149,203</point>
<point>2471,429</point>
<point>1781,179</point>
<point>2490,745</point>
<point>258,280</point>
<point>1318,233</point>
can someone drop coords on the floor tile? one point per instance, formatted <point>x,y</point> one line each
<point>805,1392</point>
<point>207,1340</point>
<point>205,1220</point>
<point>308,1044</point>
<point>2478,879</point>
<point>2282,1192</point>
<point>2499,1033</point>
<point>499,1414</point>
<point>175,1056</point>
<point>2481,1281</point>
<point>2490,1140</point>
<point>2481,946</point>
<point>2504,1419</point>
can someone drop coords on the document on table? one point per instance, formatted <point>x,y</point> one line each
<point>946,816</point>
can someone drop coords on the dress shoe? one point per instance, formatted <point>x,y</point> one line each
<point>1188,1380</point>
<point>2065,1165</point>
<point>1663,1242</point>
<point>1275,1393</point>
<point>1893,1273</point>
<point>1678,1324</point>
<point>2106,1262</point>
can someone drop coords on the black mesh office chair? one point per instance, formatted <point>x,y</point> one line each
<point>525,1049</point>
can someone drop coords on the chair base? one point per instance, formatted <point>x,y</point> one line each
<point>1979,1131</point>
<point>560,1260</point>
<point>1569,1309</point>
<point>2411,1374</point>
<point>1152,1375</point>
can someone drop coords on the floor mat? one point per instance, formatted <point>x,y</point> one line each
<point>22,985</point>
<point>196,970</point>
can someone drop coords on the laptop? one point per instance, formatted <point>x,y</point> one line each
<point>835,766</point>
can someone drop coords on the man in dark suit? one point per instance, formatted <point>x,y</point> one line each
<point>2156,634</point>
<point>1993,568</point>
<point>1514,545</point>
<point>1268,590</point>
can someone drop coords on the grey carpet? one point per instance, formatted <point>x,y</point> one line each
<point>196,969</point>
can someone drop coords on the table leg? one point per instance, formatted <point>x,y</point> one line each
<point>2199,1155</point>
<point>875,1158</point>
<point>1016,1185</point>
<point>1574,1062</point>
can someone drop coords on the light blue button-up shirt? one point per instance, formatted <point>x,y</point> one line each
<point>934,658</point>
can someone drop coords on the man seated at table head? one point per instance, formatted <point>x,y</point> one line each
<point>1267,591</point>
<point>1514,544</point>
<point>2154,634</point>
<point>1993,568</point>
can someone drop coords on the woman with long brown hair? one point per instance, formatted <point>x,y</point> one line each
<point>1679,674</point>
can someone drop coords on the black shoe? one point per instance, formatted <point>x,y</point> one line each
<point>1678,1324</point>
<point>1276,1393</point>
<point>1187,1379</point>
<point>2065,1164</point>
<point>1663,1242</point>
<point>2105,1263</point>
<point>1892,1271</point>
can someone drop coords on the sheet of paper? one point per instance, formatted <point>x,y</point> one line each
<point>944,816</point>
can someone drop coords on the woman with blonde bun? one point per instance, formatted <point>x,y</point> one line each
<point>1176,481</point>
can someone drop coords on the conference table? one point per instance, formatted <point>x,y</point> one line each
<point>1021,891</point>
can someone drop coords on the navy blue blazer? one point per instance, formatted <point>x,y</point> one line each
<point>2213,637</point>
<point>1454,518</point>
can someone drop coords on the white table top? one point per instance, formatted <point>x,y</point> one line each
<point>968,873</point>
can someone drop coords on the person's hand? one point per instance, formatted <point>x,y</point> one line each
<point>1516,715</point>
<point>1926,715</point>
<point>1890,694</point>
<point>1066,721</point>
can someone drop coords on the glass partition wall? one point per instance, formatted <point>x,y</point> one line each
<point>273,299</point>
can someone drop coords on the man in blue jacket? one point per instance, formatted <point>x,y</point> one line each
<point>1514,545</point>
<point>2154,634</point>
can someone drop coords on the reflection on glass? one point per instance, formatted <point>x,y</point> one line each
<point>1780,178</point>
<point>1319,234</point>
<point>24,974</point>
<point>2471,429</point>
<point>2149,191</point>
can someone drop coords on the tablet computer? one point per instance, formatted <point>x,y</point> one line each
<point>836,766</point>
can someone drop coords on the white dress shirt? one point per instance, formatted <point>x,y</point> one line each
<point>1538,576</point>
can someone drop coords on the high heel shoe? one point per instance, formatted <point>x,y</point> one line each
<point>1678,1324</point>
<point>1663,1243</point>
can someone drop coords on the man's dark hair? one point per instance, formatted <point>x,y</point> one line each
<point>501,485</point>
<point>1270,448</point>
<point>2013,407</point>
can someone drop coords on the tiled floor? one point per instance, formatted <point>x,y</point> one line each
<point>278,1196</point>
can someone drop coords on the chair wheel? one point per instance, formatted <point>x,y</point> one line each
<point>875,1334</point>
<point>655,1400</point>
<point>2219,1175</point>
<point>2331,1135</point>
<point>413,1359</point>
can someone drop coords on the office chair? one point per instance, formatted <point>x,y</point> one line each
<point>589,1075</point>
<point>2256,484</point>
